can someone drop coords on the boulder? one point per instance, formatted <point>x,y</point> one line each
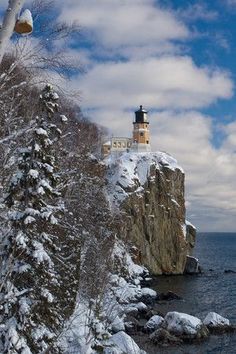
<point>121,343</point>
<point>213,319</point>
<point>186,326</point>
<point>148,296</point>
<point>218,324</point>
<point>142,308</point>
<point>191,265</point>
<point>118,325</point>
<point>131,310</point>
<point>162,337</point>
<point>153,323</point>
<point>132,325</point>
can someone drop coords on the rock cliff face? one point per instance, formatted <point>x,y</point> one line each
<point>148,189</point>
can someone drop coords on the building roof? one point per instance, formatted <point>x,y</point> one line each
<point>141,109</point>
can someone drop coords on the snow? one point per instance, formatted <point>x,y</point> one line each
<point>149,292</point>
<point>24,306</point>
<point>181,323</point>
<point>184,229</point>
<point>154,322</point>
<point>125,344</point>
<point>44,183</point>
<point>53,220</point>
<point>41,190</point>
<point>118,325</point>
<point>189,224</point>
<point>132,268</point>
<point>48,167</point>
<point>141,306</point>
<point>213,319</point>
<point>40,254</point>
<point>77,336</point>
<point>29,220</point>
<point>26,16</point>
<point>63,118</point>
<point>47,295</point>
<point>31,211</point>
<point>131,170</point>
<point>128,293</point>
<point>16,178</point>
<point>33,173</point>
<point>21,239</point>
<point>41,131</point>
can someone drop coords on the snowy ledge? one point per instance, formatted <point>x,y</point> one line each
<point>130,171</point>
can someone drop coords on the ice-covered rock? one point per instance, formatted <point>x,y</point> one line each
<point>182,324</point>
<point>122,343</point>
<point>153,323</point>
<point>213,319</point>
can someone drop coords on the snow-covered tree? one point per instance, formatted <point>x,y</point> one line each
<point>40,257</point>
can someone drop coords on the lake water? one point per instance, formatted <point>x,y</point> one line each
<point>213,290</point>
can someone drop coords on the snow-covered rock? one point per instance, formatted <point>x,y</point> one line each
<point>148,295</point>
<point>213,319</point>
<point>153,323</point>
<point>149,292</point>
<point>132,170</point>
<point>181,323</point>
<point>141,307</point>
<point>118,325</point>
<point>122,343</point>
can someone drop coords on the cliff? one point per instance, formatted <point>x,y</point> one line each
<point>148,190</point>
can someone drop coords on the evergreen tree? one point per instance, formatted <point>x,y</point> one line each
<point>40,261</point>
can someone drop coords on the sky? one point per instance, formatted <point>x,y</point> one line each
<point>177,59</point>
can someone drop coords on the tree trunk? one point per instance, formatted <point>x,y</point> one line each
<point>9,20</point>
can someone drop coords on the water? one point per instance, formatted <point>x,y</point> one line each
<point>214,290</point>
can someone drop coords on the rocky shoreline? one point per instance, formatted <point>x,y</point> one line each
<point>143,323</point>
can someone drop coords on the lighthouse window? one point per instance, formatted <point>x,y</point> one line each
<point>147,141</point>
<point>141,134</point>
<point>119,144</point>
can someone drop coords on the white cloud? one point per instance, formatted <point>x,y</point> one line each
<point>167,82</point>
<point>198,11</point>
<point>124,24</point>
<point>210,172</point>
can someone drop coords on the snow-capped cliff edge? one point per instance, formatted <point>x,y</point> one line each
<point>148,189</point>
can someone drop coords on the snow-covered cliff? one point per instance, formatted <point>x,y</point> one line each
<point>148,189</point>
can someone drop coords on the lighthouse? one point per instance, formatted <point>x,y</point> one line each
<point>141,135</point>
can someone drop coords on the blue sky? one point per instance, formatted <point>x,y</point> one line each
<point>177,58</point>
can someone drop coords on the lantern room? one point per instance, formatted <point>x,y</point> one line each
<point>141,116</point>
